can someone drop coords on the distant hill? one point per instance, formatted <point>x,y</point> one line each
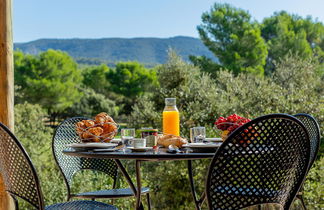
<point>149,51</point>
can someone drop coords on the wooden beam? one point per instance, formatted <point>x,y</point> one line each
<point>6,66</point>
<point>6,84</point>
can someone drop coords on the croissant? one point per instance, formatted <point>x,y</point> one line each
<point>80,128</point>
<point>109,127</point>
<point>97,131</point>
<point>88,123</point>
<point>103,117</point>
<point>170,139</point>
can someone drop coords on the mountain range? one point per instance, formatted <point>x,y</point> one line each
<point>149,51</point>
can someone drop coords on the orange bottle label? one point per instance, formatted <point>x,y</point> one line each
<point>171,122</point>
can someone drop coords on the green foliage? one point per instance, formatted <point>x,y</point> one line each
<point>122,84</point>
<point>234,39</point>
<point>302,86</point>
<point>91,104</point>
<point>86,62</point>
<point>242,45</point>
<point>130,80</point>
<point>30,129</point>
<point>285,33</point>
<point>95,77</point>
<point>50,79</point>
<point>205,64</point>
<point>313,188</point>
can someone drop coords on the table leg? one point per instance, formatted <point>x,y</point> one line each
<point>192,186</point>
<point>202,198</point>
<point>139,184</point>
<point>139,205</point>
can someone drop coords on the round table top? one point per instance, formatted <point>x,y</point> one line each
<point>151,155</point>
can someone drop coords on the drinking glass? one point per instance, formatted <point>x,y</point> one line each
<point>197,134</point>
<point>127,135</point>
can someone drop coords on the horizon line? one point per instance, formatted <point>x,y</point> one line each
<point>139,37</point>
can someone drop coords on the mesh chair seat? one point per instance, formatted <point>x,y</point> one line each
<point>81,205</point>
<point>245,191</point>
<point>118,193</point>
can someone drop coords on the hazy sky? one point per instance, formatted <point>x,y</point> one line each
<point>35,19</point>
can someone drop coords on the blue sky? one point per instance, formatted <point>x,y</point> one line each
<point>35,19</point>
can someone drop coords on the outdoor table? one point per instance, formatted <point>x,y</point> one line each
<point>159,155</point>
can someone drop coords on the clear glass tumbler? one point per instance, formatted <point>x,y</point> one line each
<point>197,134</point>
<point>127,135</point>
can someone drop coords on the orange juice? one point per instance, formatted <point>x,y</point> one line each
<point>171,117</point>
<point>171,122</point>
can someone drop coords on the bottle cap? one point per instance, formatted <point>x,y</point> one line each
<point>170,101</point>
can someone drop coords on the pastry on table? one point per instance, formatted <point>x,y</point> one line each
<point>171,139</point>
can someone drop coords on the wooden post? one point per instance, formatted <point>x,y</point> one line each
<point>6,84</point>
<point>6,66</point>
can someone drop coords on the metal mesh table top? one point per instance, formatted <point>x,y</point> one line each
<point>148,155</point>
<point>162,154</point>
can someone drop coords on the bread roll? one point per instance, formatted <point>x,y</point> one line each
<point>88,123</point>
<point>97,131</point>
<point>80,128</point>
<point>103,117</point>
<point>170,139</point>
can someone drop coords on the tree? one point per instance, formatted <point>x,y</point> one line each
<point>50,79</point>
<point>131,79</point>
<point>90,104</point>
<point>234,39</point>
<point>205,64</point>
<point>285,33</point>
<point>95,77</point>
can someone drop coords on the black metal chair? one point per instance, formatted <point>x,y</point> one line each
<point>65,134</point>
<point>315,138</point>
<point>21,179</point>
<point>264,161</point>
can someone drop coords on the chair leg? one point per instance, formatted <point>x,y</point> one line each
<point>148,201</point>
<point>302,201</point>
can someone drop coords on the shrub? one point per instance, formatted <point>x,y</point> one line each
<point>313,188</point>
<point>30,129</point>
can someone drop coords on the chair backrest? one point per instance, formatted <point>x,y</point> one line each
<point>19,174</point>
<point>314,134</point>
<point>263,161</point>
<point>65,134</point>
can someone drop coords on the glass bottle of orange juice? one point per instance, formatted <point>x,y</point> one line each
<point>171,117</point>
